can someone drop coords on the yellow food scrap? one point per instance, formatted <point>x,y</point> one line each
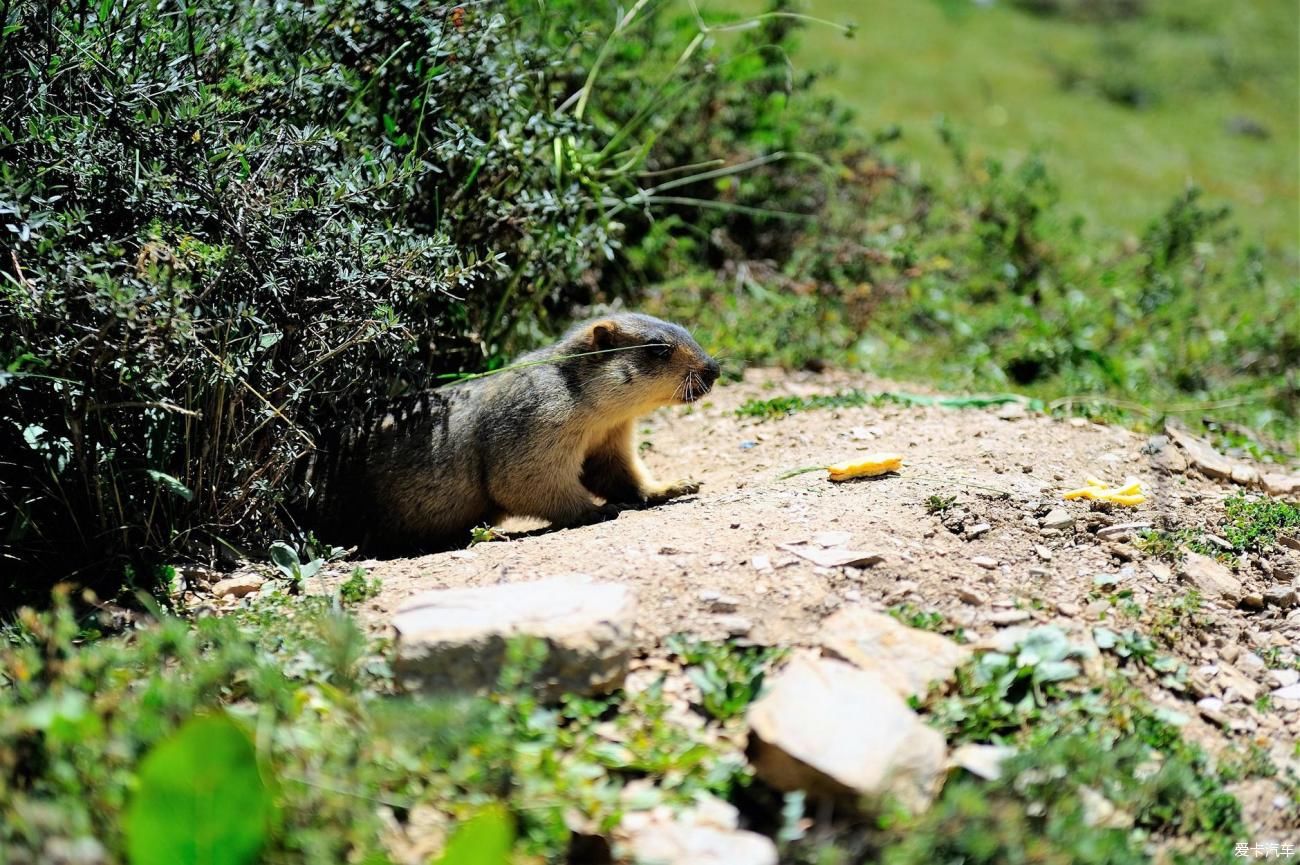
<point>1098,490</point>
<point>869,466</point>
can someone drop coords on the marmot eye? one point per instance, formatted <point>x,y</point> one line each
<point>663,350</point>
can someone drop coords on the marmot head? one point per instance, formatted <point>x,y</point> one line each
<point>643,361</point>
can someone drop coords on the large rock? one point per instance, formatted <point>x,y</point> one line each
<point>1202,455</point>
<point>700,836</point>
<point>455,639</point>
<point>1210,578</point>
<point>906,658</point>
<point>837,732</point>
<point>1284,486</point>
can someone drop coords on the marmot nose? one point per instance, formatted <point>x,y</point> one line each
<point>711,371</point>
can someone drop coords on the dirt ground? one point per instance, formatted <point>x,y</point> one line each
<point>718,563</point>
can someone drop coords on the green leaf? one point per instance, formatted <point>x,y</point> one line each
<point>1055,671</point>
<point>285,558</point>
<point>201,799</point>
<point>171,484</point>
<point>484,839</point>
<point>1105,638</point>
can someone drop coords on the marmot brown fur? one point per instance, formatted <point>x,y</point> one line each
<point>540,439</point>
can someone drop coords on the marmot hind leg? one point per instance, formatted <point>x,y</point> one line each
<point>614,471</point>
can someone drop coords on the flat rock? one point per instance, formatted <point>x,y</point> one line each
<point>1210,578</point>
<point>1202,455</point>
<point>1290,692</point>
<point>1236,685</point>
<point>1284,486</point>
<point>1058,519</point>
<point>1121,531</point>
<point>839,732</point>
<point>833,558</point>
<point>455,639</point>
<point>906,658</point>
<point>1283,678</point>
<point>695,837</point>
<point>1280,596</point>
<point>238,586</point>
<point>987,562</point>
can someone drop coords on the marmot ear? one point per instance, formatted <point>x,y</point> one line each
<point>602,334</point>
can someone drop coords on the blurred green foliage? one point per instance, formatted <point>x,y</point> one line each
<point>79,721</point>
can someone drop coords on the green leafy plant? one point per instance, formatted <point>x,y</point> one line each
<point>915,617</point>
<point>1000,692</point>
<point>729,677</point>
<point>937,504</point>
<point>357,588</point>
<point>1253,524</point>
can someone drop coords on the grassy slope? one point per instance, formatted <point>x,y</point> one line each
<point>992,70</point>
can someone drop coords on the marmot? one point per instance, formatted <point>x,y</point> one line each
<point>540,439</point>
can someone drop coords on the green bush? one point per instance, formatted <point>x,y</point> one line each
<point>231,225</point>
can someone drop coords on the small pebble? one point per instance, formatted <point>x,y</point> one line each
<point>1057,518</point>
<point>1043,553</point>
<point>985,562</point>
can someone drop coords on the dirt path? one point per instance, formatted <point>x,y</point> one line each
<point>714,564</point>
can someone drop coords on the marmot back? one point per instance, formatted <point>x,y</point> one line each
<point>537,440</point>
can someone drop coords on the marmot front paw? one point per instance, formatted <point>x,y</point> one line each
<point>663,492</point>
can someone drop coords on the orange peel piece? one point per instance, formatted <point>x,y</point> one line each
<point>1129,494</point>
<point>868,466</point>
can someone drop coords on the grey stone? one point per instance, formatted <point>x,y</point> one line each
<point>975,531</point>
<point>987,562</point>
<point>838,732</point>
<point>1235,686</point>
<point>1202,455</point>
<point>1121,531</point>
<point>834,558</point>
<point>1283,678</point>
<point>455,639</point>
<point>705,835</point>
<point>1164,456</point>
<point>1211,578</point>
<point>1058,519</point>
<point>1280,596</point>
<point>906,658</point>
<point>1290,692</point>
<point>735,626</point>
<point>1009,617</point>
